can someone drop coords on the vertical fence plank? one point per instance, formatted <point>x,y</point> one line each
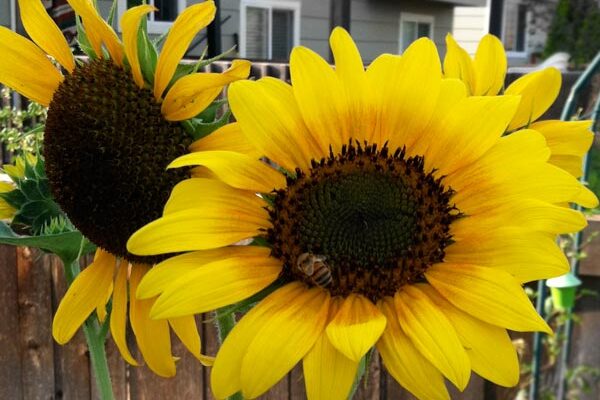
<point>187,384</point>
<point>297,387</point>
<point>210,345</point>
<point>71,361</point>
<point>10,359</point>
<point>369,386</point>
<point>35,319</point>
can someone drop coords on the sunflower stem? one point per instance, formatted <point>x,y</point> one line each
<point>225,322</point>
<point>95,338</point>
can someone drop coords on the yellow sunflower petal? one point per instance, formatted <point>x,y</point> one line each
<point>161,275</point>
<point>404,362</point>
<point>350,69</point>
<point>471,129</point>
<point>82,297</point>
<point>489,347</point>
<point>328,373</point>
<point>458,64</point>
<point>538,90</point>
<point>130,24</point>
<point>202,193</point>
<point>568,142</point>
<point>26,69</point>
<point>319,95</point>
<point>194,229</point>
<point>225,377</point>
<point>273,123</point>
<point>432,334</point>
<point>489,66</point>
<point>101,312</point>
<point>216,284</point>
<point>533,214</point>
<point>153,337</point>
<point>191,94</point>
<point>488,294</point>
<point>235,169</point>
<point>43,31</point>
<point>187,331</point>
<point>98,30</point>
<point>526,255</point>
<point>191,21</point>
<point>284,338</point>
<point>405,91</point>
<point>356,327</point>
<point>118,315</point>
<point>228,138</point>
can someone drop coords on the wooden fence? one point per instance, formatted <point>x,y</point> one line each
<point>33,366</point>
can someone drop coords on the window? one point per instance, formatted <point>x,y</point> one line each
<point>269,29</point>
<point>514,34</point>
<point>414,26</point>
<point>159,21</point>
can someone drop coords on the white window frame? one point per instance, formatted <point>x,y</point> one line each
<point>154,27</point>
<point>270,5</point>
<point>512,53</point>
<point>417,18</point>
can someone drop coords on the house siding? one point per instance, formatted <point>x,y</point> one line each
<point>5,12</point>
<point>470,24</point>
<point>375,24</point>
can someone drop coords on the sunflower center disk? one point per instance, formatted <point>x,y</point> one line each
<point>106,147</point>
<point>363,221</point>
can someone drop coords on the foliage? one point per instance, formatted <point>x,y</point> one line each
<point>21,130</point>
<point>575,29</point>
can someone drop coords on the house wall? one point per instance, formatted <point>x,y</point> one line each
<point>470,24</point>
<point>5,12</point>
<point>375,24</point>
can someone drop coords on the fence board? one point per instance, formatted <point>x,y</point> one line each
<point>35,319</point>
<point>71,361</point>
<point>10,359</point>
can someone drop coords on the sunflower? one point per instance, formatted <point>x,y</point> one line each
<point>397,216</point>
<point>112,128</point>
<point>484,76</point>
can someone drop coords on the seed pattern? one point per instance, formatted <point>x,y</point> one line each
<point>378,218</point>
<point>106,147</point>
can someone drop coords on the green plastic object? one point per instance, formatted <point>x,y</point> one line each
<point>563,290</point>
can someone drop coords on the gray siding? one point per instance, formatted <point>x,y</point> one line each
<point>375,24</point>
<point>5,13</point>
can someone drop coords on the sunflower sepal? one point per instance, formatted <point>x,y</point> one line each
<point>198,128</point>
<point>83,41</point>
<point>147,53</point>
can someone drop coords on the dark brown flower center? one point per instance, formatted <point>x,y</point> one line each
<point>106,147</point>
<point>363,221</point>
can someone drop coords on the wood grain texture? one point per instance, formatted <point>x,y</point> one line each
<point>71,361</point>
<point>35,324</point>
<point>10,357</point>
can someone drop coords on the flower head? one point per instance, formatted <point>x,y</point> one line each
<point>112,128</point>
<point>395,213</point>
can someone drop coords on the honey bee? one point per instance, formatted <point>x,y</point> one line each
<point>314,267</point>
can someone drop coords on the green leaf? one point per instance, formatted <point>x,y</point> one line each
<point>65,245</point>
